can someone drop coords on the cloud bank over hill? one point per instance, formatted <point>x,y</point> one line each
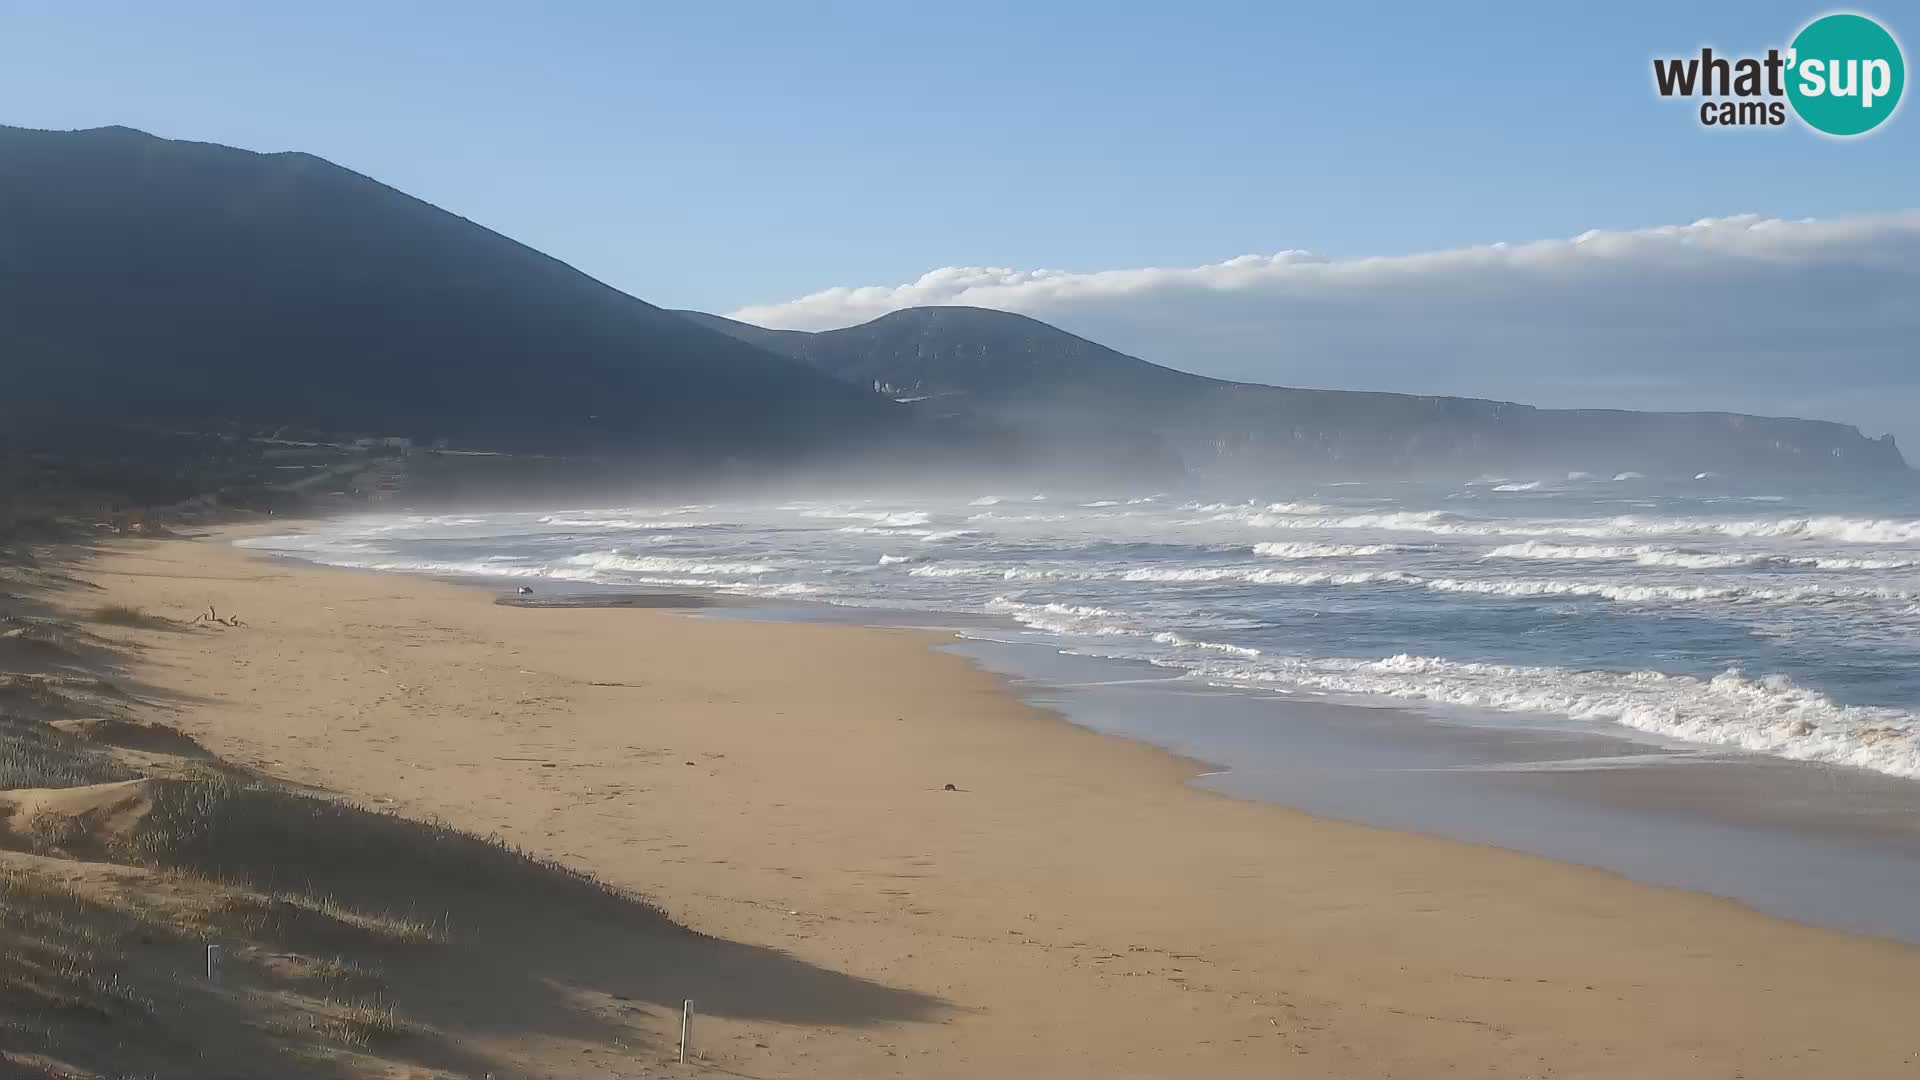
<point>1814,318</point>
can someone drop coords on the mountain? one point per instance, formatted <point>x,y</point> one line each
<point>188,287</point>
<point>1024,372</point>
<point>150,281</point>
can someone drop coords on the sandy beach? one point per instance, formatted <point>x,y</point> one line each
<point>1069,907</point>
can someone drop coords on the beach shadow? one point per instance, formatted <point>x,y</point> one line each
<point>531,947</point>
<point>473,938</point>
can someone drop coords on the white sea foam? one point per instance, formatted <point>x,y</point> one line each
<point>1831,528</point>
<point>619,524</point>
<point>1529,485</point>
<point>1223,511</point>
<point>1018,519</point>
<point>1167,637</point>
<point>1626,592</point>
<point>652,564</point>
<point>1768,714</point>
<point>1309,550</point>
<point>1654,555</point>
<point>1073,619</point>
<point>1430,521</point>
<point>1670,593</point>
<point>900,531</point>
<point>1261,575</point>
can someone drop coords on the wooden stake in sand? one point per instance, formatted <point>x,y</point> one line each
<point>686,1028</point>
<point>216,959</point>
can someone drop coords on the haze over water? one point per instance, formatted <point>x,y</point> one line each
<point>1699,610</point>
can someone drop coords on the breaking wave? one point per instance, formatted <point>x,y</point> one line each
<point>1769,714</point>
<point>652,564</point>
<point>1652,555</point>
<point>1308,550</point>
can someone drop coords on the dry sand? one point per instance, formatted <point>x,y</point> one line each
<point>1073,909</point>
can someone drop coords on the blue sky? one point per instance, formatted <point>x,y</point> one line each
<point>723,154</point>
<point>816,164</point>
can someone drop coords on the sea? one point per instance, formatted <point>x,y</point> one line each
<point>1672,619</point>
<point>1784,623</point>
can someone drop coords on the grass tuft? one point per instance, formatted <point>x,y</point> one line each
<point>33,755</point>
<point>129,616</point>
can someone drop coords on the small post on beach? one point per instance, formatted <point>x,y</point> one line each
<point>686,1028</point>
<point>216,958</point>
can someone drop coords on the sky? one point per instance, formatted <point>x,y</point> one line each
<point>755,157</point>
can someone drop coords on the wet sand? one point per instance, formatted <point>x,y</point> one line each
<point>1832,846</point>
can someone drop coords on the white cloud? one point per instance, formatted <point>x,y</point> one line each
<point>1811,317</point>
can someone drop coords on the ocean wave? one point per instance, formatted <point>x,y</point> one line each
<point>1224,510</point>
<point>886,519</point>
<point>1653,555</point>
<point>1308,550</point>
<point>1844,529</point>
<point>1672,593</point>
<point>1429,521</point>
<point>1085,620</point>
<point>615,523</point>
<point>1251,575</point>
<point>1768,714</point>
<point>1167,637</point>
<point>1831,528</point>
<point>976,571</point>
<point>1261,575</point>
<point>1629,592</point>
<point>1529,485</point>
<point>653,564</point>
<point>1081,620</point>
<point>899,532</point>
<point>1016,519</point>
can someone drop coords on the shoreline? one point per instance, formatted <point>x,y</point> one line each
<point>1741,825</point>
<point>1074,897</point>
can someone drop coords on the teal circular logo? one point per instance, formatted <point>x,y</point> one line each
<point>1845,74</point>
